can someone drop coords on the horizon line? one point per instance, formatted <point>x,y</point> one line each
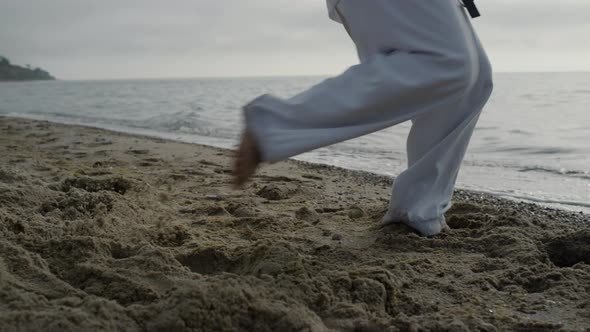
<point>282,76</point>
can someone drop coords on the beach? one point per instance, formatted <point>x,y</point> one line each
<point>102,230</point>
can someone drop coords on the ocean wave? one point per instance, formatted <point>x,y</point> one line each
<point>555,171</point>
<point>540,200</point>
<point>182,122</point>
<point>536,150</point>
<point>190,122</point>
<point>520,132</point>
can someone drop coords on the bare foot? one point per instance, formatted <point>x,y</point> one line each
<point>246,161</point>
<point>429,228</point>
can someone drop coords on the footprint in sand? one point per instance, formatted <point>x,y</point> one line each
<point>47,141</point>
<point>569,250</point>
<point>208,163</point>
<point>80,154</point>
<point>99,143</point>
<point>137,152</point>
<point>308,215</point>
<point>116,184</point>
<point>275,192</point>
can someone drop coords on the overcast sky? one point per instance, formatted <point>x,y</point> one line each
<point>84,39</point>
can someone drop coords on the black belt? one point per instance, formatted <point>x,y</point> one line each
<point>471,8</point>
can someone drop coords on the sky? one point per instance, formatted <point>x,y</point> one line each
<point>84,39</point>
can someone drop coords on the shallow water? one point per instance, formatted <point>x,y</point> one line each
<point>531,142</point>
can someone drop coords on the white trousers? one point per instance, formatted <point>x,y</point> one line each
<point>420,61</point>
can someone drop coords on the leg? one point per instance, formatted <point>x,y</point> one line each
<point>360,101</point>
<point>436,146</point>
<point>424,68</point>
<point>387,88</point>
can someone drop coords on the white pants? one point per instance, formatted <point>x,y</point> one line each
<point>420,61</point>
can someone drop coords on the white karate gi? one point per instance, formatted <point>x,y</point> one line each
<point>420,61</point>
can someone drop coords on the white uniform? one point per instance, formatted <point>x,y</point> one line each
<point>420,61</point>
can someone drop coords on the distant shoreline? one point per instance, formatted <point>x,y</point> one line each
<point>25,81</point>
<point>13,73</point>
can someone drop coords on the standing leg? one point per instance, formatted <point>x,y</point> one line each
<point>436,147</point>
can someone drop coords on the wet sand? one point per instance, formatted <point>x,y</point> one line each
<point>108,231</point>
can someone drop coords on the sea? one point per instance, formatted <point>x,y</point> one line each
<point>532,142</point>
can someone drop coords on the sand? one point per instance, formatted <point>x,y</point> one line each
<point>109,231</point>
